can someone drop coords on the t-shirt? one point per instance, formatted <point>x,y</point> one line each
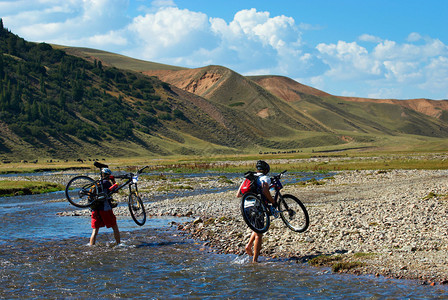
<point>263,178</point>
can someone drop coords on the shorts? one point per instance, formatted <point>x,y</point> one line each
<point>101,218</point>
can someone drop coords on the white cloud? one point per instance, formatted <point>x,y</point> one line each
<point>254,42</point>
<point>370,38</point>
<point>169,33</point>
<point>402,71</point>
<point>385,93</point>
<point>436,74</point>
<point>348,60</point>
<point>390,69</point>
<point>260,41</point>
<point>66,22</point>
<point>414,37</point>
<point>163,3</point>
<point>110,38</point>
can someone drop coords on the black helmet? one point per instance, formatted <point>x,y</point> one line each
<point>263,166</point>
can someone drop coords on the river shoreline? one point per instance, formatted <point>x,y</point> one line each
<point>381,223</point>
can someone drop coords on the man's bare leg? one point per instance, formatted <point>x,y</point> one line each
<point>116,234</point>
<point>93,236</point>
<point>250,244</point>
<point>257,246</point>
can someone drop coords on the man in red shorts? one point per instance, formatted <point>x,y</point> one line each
<point>102,214</point>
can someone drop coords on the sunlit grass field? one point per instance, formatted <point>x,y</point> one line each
<point>304,161</point>
<point>14,188</point>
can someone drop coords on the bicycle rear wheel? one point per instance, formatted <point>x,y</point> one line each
<point>137,209</point>
<point>255,213</point>
<point>81,191</point>
<point>294,213</point>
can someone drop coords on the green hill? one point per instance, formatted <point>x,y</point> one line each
<point>57,105</point>
<point>64,102</point>
<point>368,116</point>
<point>115,60</point>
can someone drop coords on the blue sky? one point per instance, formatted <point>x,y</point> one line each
<point>364,48</point>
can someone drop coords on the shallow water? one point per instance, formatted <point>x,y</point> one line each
<point>46,255</point>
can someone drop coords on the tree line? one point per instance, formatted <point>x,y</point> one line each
<point>46,93</point>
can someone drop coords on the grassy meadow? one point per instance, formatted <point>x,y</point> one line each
<point>15,188</point>
<point>312,160</point>
<point>317,160</point>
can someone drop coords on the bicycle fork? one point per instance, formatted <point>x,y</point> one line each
<point>290,212</point>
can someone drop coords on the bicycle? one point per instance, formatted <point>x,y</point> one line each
<point>257,211</point>
<point>83,191</point>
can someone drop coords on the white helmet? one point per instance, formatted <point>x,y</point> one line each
<point>106,171</point>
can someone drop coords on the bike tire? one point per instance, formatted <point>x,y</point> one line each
<point>294,213</point>
<point>137,209</point>
<point>81,191</point>
<point>255,213</point>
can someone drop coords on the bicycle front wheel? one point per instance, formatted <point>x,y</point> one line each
<point>255,213</point>
<point>294,213</point>
<point>137,209</point>
<point>81,191</point>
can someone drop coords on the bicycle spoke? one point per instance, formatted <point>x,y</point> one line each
<point>294,213</point>
<point>254,213</point>
<point>81,191</point>
<point>137,209</point>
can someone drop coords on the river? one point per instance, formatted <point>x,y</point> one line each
<point>44,255</point>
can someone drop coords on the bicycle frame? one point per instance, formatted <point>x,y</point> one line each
<point>277,185</point>
<point>256,209</point>
<point>131,179</point>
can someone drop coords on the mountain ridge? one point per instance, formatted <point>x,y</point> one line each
<point>66,102</point>
<point>427,106</point>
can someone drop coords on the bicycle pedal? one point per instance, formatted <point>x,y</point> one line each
<point>273,212</point>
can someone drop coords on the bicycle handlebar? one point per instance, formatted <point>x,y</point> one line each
<point>141,170</point>
<point>280,174</point>
<point>130,175</point>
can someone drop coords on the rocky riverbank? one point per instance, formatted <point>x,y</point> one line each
<point>391,223</point>
<point>385,223</point>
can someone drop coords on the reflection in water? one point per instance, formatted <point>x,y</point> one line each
<point>157,263</point>
<point>45,255</point>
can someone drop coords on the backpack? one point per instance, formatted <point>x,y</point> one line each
<point>250,183</point>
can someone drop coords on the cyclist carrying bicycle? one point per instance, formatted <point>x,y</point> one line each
<point>102,214</point>
<point>263,184</point>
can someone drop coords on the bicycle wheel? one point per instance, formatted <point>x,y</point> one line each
<point>294,213</point>
<point>137,209</point>
<point>81,191</point>
<point>255,213</point>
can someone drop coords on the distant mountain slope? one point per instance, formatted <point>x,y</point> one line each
<point>224,86</point>
<point>434,108</point>
<point>282,87</point>
<point>286,88</point>
<point>418,116</point>
<point>116,60</point>
<point>56,105</point>
<point>66,102</point>
<point>313,109</point>
<point>290,90</point>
